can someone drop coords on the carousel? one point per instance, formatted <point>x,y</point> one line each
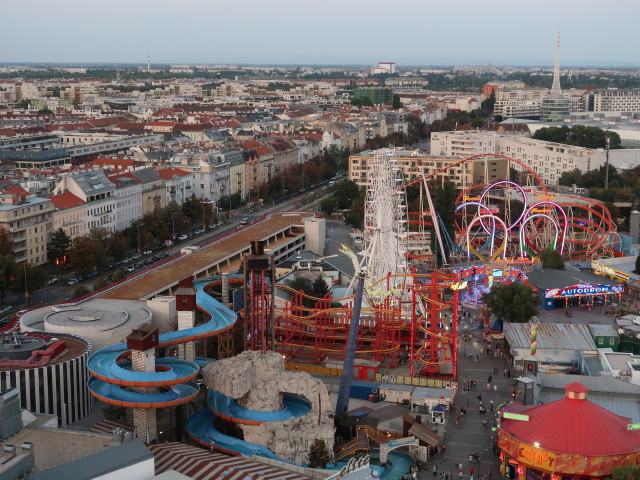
<point>570,438</point>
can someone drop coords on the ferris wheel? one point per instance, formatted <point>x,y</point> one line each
<point>385,217</point>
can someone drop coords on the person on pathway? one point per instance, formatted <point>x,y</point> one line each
<point>490,378</point>
<point>435,470</point>
<point>484,423</point>
<point>488,387</point>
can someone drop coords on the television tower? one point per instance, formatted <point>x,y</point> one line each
<point>149,63</point>
<point>555,88</point>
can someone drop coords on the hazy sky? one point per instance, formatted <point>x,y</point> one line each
<point>594,32</point>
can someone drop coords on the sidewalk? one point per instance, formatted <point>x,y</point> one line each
<point>471,435</point>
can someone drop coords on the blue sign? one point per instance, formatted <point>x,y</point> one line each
<point>583,289</point>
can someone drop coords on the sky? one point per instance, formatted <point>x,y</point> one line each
<point>321,32</point>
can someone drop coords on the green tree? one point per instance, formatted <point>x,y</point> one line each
<point>571,177</point>
<point>23,104</point>
<point>118,245</point>
<point>45,111</point>
<point>477,122</point>
<point>6,244</point>
<point>7,266</point>
<point>444,196</point>
<point>579,135</point>
<point>513,302</point>
<point>82,255</point>
<point>320,287</point>
<point>396,103</point>
<point>625,472</point>
<point>551,258</point>
<point>80,291</point>
<point>59,243</point>
<point>36,278</point>
<point>99,283</point>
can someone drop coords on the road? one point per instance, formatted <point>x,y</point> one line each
<point>62,291</point>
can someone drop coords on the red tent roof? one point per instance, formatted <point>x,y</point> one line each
<point>575,425</point>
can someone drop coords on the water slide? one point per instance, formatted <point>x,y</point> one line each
<point>112,382</point>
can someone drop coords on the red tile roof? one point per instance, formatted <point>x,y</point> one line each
<point>65,201</point>
<point>169,173</point>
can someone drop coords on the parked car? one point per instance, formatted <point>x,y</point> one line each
<point>244,221</point>
<point>130,269</point>
<point>164,255</point>
<point>147,252</point>
<point>73,281</point>
<point>53,281</point>
<point>183,237</point>
<point>5,308</point>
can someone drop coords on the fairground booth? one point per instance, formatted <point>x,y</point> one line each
<point>574,289</point>
<point>571,438</point>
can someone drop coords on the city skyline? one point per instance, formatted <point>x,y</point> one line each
<point>286,32</point>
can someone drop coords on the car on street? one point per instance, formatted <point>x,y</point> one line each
<point>5,308</point>
<point>163,255</point>
<point>53,281</point>
<point>147,252</point>
<point>244,221</point>
<point>183,237</point>
<point>73,281</point>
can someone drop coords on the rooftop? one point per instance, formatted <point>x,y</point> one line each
<point>554,336</point>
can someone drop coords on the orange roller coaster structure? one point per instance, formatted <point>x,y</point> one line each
<point>420,331</point>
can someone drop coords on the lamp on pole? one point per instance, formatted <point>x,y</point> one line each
<point>26,289</point>
<point>173,227</point>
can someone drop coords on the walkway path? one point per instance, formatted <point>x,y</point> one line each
<point>471,436</point>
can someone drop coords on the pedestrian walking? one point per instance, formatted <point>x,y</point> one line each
<point>435,470</point>
<point>474,384</point>
<point>488,387</point>
<point>505,372</point>
<point>490,378</point>
<point>495,370</point>
<point>484,423</point>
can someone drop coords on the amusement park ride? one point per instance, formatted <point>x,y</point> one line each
<point>411,309</point>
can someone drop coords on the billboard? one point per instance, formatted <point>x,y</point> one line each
<point>583,289</point>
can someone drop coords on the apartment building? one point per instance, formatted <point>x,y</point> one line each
<point>29,221</point>
<point>548,159</point>
<point>153,194</point>
<point>616,100</point>
<point>70,214</point>
<point>98,192</point>
<point>128,199</point>
<point>414,165</point>
<point>177,184</point>
<point>210,173</point>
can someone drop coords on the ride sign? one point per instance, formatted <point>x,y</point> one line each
<point>583,289</point>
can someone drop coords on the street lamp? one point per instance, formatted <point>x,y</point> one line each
<point>26,289</point>
<point>138,228</point>
<point>173,226</point>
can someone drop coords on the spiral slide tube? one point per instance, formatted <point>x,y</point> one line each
<point>112,380</point>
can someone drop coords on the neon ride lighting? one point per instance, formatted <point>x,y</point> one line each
<point>503,247</point>
<point>517,187</point>
<point>523,250</point>
<point>565,225</point>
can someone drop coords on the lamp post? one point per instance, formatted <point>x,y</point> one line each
<point>173,227</point>
<point>26,289</point>
<point>138,228</point>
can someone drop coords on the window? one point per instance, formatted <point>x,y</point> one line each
<point>612,341</point>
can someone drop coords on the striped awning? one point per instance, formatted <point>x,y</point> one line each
<point>200,464</point>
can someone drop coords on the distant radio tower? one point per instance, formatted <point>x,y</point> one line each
<point>555,88</point>
<point>149,63</point>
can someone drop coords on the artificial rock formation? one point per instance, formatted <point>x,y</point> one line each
<point>258,380</point>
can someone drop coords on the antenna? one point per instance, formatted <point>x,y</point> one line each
<point>555,88</point>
